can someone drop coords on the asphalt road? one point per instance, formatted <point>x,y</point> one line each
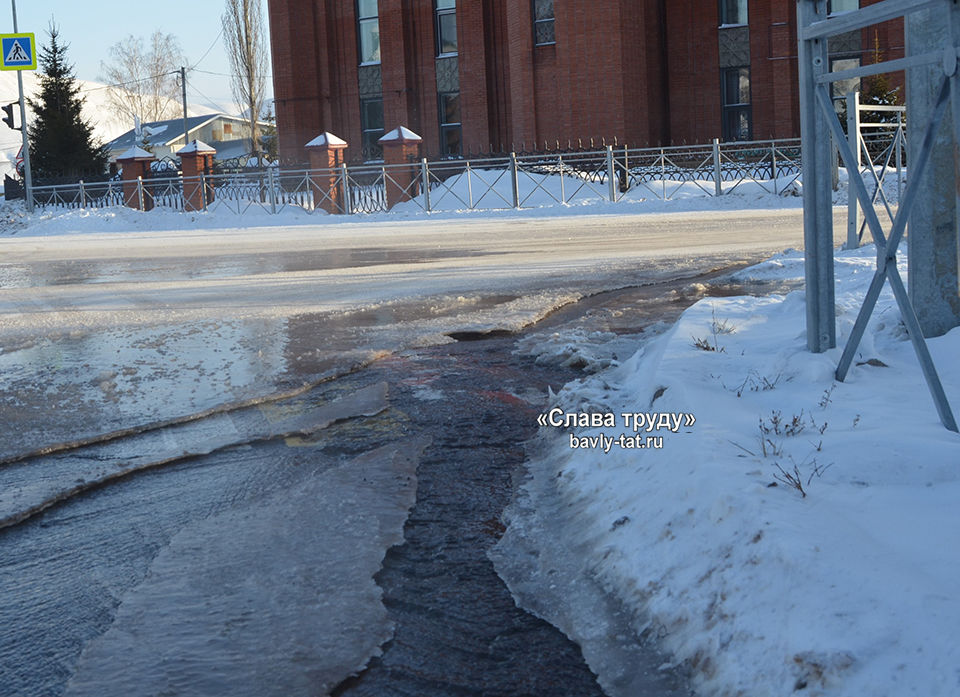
<point>102,333</point>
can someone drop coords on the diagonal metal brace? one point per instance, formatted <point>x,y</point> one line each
<point>887,250</point>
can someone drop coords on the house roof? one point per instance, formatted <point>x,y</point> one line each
<point>166,132</point>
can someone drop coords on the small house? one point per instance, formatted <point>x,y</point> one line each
<point>228,135</point>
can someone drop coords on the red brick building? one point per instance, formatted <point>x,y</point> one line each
<point>495,75</point>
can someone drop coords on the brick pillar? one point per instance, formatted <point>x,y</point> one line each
<point>196,160</point>
<point>401,146</point>
<point>326,153</point>
<point>135,163</point>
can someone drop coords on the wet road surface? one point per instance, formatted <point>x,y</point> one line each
<point>214,384</point>
<point>66,572</point>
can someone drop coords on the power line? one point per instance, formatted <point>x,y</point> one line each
<point>214,102</point>
<point>129,82</point>
<point>207,72</point>
<point>205,53</point>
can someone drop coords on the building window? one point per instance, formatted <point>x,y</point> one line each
<point>450,130</point>
<point>371,127</point>
<point>543,32</point>
<point>368,26</point>
<point>837,6</point>
<point>736,104</point>
<point>733,11</point>
<point>446,26</point>
<point>841,88</point>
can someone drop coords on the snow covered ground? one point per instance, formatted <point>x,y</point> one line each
<point>754,587</point>
<point>801,535</point>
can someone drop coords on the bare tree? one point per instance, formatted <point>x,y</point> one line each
<point>243,37</point>
<point>143,78</point>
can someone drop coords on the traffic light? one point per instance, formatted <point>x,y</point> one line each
<point>8,118</point>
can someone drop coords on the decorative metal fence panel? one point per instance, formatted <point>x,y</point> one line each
<point>614,174</point>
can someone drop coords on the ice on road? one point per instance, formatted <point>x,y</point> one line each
<point>106,331</point>
<point>34,485</point>
<point>262,599</point>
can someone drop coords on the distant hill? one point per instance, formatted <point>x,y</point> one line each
<point>107,124</point>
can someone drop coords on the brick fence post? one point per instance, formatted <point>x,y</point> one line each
<point>135,164</point>
<point>401,146</point>
<point>196,160</point>
<point>326,153</point>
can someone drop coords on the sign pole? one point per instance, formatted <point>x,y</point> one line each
<point>27,178</point>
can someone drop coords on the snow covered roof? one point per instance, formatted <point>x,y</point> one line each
<point>197,146</point>
<point>401,134</point>
<point>172,130</point>
<point>135,153</point>
<point>327,139</point>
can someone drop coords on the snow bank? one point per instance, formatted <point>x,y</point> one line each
<point>486,190</point>
<point>756,588</point>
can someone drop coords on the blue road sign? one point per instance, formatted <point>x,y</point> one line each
<point>18,52</point>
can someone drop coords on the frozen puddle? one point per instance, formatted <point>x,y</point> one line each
<point>34,485</point>
<point>275,598</point>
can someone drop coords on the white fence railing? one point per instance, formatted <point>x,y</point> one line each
<point>879,145</point>
<point>514,181</point>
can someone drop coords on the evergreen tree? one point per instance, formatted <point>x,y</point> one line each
<point>877,89</point>
<point>61,142</point>
<point>268,135</point>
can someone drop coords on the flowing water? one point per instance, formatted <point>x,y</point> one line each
<point>337,538</point>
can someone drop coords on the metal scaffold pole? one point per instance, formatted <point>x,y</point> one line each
<point>817,190</point>
<point>940,81</point>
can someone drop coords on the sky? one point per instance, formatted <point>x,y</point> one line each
<point>91,29</point>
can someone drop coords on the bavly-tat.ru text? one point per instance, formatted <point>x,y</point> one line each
<point>641,423</point>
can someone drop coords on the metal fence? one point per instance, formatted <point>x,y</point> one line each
<point>614,174</point>
<point>877,138</point>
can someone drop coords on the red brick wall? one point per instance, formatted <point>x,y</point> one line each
<point>589,56</point>
<point>773,48</point>
<point>424,52</point>
<point>299,92</point>
<point>522,123</point>
<point>499,98</point>
<point>341,61</point>
<point>644,72</point>
<point>472,28</point>
<point>693,56</point>
<point>396,67</point>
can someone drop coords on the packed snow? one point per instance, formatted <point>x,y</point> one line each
<point>800,534</point>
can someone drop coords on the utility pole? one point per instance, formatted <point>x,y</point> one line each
<point>27,178</point>
<point>183,85</point>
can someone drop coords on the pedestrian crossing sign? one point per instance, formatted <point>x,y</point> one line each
<point>18,52</point>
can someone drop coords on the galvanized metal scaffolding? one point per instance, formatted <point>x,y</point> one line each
<point>817,118</point>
